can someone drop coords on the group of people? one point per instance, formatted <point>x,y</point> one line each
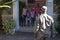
<point>29,15</point>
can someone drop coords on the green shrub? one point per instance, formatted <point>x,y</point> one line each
<point>58,20</point>
<point>8,26</point>
<point>58,28</point>
<point>57,3</point>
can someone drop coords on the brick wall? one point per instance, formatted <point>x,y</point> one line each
<point>40,2</point>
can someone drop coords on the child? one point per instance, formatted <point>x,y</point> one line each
<point>28,18</point>
<point>32,17</point>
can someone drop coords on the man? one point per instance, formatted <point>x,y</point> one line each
<point>44,23</point>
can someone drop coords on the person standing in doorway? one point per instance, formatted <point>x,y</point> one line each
<point>28,21</point>
<point>24,15</point>
<point>37,13</point>
<point>32,16</point>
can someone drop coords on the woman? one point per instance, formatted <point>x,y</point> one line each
<point>24,15</point>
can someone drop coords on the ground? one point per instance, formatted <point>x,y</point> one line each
<point>17,36</point>
<point>21,36</point>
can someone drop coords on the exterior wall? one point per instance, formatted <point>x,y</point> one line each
<point>39,2</point>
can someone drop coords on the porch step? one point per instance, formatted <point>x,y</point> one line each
<point>26,29</point>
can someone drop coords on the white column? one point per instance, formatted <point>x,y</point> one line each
<point>16,13</point>
<point>26,2</point>
<point>49,4</point>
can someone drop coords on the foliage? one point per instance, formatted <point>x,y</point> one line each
<point>4,3</point>
<point>58,28</point>
<point>57,2</point>
<point>8,26</point>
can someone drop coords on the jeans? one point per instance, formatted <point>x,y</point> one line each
<point>24,19</point>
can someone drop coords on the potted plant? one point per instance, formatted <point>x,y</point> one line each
<point>9,26</point>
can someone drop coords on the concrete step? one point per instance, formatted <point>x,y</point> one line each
<point>26,29</point>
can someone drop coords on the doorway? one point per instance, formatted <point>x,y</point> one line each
<point>27,24</point>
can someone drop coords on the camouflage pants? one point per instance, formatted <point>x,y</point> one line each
<point>43,35</point>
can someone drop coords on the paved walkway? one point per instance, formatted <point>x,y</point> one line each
<point>18,36</point>
<point>21,36</point>
<point>57,37</point>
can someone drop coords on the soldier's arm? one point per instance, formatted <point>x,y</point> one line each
<point>52,20</point>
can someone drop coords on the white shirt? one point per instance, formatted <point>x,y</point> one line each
<point>24,11</point>
<point>42,19</point>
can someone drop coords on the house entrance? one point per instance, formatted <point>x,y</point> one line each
<point>27,14</point>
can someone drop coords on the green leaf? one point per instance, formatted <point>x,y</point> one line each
<point>6,6</point>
